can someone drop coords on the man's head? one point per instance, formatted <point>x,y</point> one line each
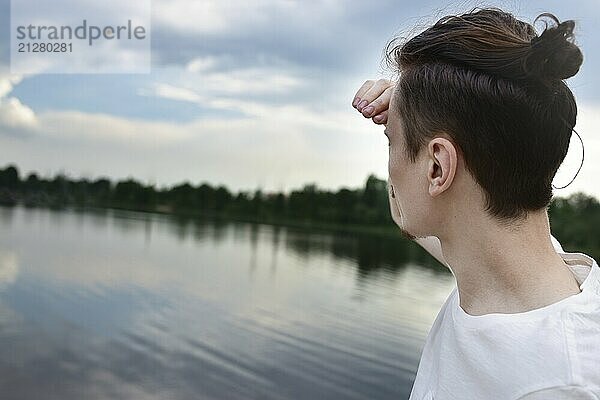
<point>480,113</point>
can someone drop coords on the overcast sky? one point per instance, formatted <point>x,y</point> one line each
<point>250,94</point>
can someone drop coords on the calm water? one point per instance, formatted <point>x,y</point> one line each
<point>120,305</point>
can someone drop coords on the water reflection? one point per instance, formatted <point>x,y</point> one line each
<point>9,268</point>
<point>114,304</point>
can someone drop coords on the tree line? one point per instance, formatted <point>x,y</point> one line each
<point>575,220</point>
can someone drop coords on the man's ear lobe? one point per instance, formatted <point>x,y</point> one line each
<point>442,165</point>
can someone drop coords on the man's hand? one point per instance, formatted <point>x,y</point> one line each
<point>373,100</point>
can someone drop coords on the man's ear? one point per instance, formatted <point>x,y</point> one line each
<point>442,162</point>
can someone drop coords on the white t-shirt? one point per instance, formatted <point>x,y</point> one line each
<point>549,353</point>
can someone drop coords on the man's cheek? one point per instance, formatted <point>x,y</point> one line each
<point>394,175</point>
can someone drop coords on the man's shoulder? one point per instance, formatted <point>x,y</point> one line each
<point>559,351</point>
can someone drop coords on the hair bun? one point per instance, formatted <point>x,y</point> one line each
<point>553,55</point>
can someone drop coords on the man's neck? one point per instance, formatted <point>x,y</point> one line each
<point>501,270</point>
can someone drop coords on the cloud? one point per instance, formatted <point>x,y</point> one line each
<point>251,92</point>
<point>201,64</point>
<point>212,78</point>
<point>175,93</point>
<point>288,114</point>
<point>13,113</point>
<point>8,82</point>
<point>78,126</point>
<point>220,17</point>
<point>251,81</point>
<point>319,34</point>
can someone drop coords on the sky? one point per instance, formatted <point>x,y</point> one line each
<point>251,94</point>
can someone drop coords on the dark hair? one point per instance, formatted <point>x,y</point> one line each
<point>496,88</point>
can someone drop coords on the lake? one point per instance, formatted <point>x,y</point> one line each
<point>108,304</point>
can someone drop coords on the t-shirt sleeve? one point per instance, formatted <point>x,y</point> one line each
<point>561,393</point>
<point>556,244</point>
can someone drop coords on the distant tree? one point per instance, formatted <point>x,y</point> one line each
<point>32,183</point>
<point>100,190</point>
<point>277,204</point>
<point>9,177</point>
<point>183,197</point>
<point>256,204</point>
<point>222,198</point>
<point>375,201</point>
<point>205,198</point>
<point>346,201</point>
<point>130,193</point>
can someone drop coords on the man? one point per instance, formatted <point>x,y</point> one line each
<point>478,123</point>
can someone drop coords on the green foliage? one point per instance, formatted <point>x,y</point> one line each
<point>9,177</point>
<point>575,220</point>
